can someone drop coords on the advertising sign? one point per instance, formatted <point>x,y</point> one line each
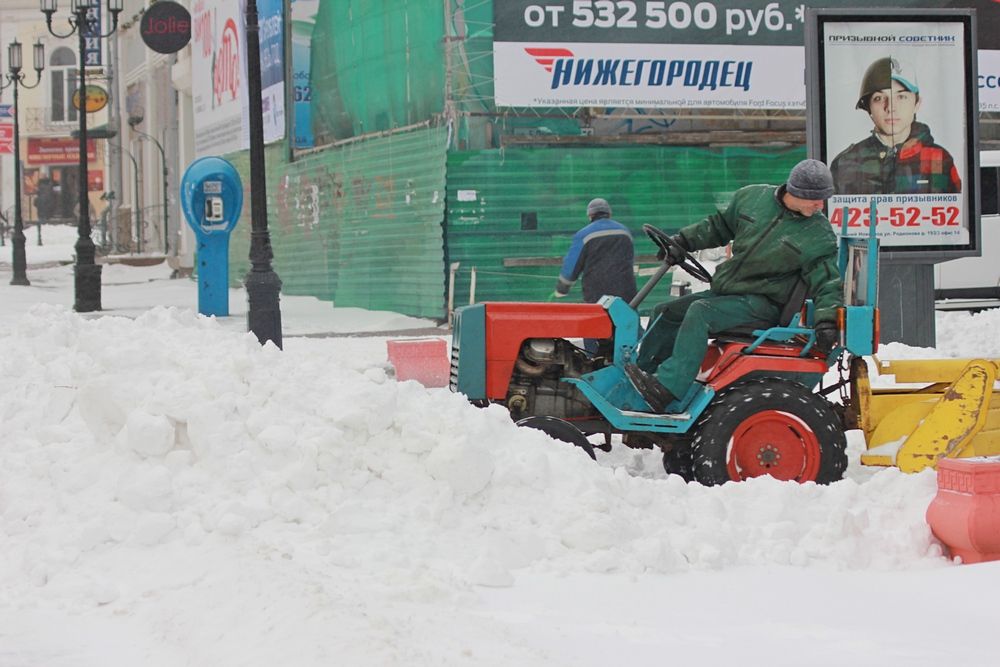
<point>6,138</point>
<point>218,77</point>
<point>272,68</point>
<point>96,98</point>
<point>219,74</point>
<point>64,151</point>
<point>677,53</point>
<point>166,27</point>
<point>303,21</point>
<point>896,124</point>
<point>92,38</point>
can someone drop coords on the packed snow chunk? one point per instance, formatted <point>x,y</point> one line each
<point>149,435</point>
<point>466,466</point>
<point>153,528</point>
<point>146,488</point>
<point>104,405</point>
<point>591,532</point>
<point>233,525</point>
<point>277,437</point>
<point>103,591</point>
<point>487,571</point>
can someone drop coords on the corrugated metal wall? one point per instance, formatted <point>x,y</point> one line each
<point>493,194</point>
<point>360,225</point>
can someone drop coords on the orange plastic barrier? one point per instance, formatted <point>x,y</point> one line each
<point>422,359</point>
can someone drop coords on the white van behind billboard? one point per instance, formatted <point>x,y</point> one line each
<point>973,283</point>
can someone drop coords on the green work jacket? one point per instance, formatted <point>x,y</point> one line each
<point>773,247</point>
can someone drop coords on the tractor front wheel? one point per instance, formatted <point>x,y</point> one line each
<point>769,426</point>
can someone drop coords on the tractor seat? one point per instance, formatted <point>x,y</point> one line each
<point>791,310</point>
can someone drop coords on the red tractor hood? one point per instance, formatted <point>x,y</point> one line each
<point>508,325</point>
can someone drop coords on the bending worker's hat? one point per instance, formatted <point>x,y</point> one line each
<point>810,179</point>
<point>880,75</point>
<point>598,206</point>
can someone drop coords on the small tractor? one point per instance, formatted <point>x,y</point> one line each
<point>758,407</point>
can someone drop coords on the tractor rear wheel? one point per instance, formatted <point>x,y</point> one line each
<point>769,426</point>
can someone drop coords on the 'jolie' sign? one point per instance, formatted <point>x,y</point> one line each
<point>166,27</point>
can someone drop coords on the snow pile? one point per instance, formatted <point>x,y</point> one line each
<point>168,433</point>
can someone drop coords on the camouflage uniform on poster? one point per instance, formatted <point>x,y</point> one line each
<point>900,156</point>
<point>918,165</point>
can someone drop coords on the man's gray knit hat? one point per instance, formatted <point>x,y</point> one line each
<point>810,179</point>
<point>598,206</point>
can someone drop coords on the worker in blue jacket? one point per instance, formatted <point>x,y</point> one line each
<point>603,253</point>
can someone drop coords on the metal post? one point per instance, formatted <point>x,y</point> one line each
<point>135,192</point>
<point>16,79</point>
<point>453,269</point>
<point>39,225</point>
<point>17,239</point>
<point>163,162</point>
<point>87,273</point>
<point>262,283</point>
<point>115,122</point>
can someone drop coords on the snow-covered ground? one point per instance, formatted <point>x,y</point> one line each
<point>172,493</point>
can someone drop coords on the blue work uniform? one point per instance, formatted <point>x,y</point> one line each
<point>603,253</point>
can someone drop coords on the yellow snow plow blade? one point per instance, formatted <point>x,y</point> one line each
<point>951,415</point>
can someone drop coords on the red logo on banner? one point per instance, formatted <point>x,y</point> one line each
<point>545,57</point>
<point>6,137</point>
<point>226,77</point>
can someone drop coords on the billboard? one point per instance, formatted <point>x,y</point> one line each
<point>218,77</point>
<point>303,21</point>
<point>894,115</point>
<point>219,74</point>
<point>272,68</point>
<point>744,54</point>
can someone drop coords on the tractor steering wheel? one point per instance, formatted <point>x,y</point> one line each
<point>665,242</point>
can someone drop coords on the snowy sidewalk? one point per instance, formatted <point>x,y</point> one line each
<point>129,291</point>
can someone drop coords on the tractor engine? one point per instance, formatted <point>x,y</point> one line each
<point>536,387</point>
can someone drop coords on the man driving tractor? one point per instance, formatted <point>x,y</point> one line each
<point>780,237</point>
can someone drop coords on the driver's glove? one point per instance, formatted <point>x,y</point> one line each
<point>827,336</point>
<point>674,254</point>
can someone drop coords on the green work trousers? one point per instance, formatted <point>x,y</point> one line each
<point>677,340</point>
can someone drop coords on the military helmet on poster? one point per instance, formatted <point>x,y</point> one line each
<point>880,75</point>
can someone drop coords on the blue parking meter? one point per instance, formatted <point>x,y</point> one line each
<point>212,198</point>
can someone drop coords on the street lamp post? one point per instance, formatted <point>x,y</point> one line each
<point>15,78</point>
<point>136,211</point>
<point>87,273</point>
<point>262,283</point>
<point>133,121</point>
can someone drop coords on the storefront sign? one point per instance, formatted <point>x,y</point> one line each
<point>59,151</point>
<point>6,138</point>
<point>166,27</point>
<point>97,98</point>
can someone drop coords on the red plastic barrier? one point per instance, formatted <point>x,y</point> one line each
<point>965,513</point>
<point>422,359</point>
